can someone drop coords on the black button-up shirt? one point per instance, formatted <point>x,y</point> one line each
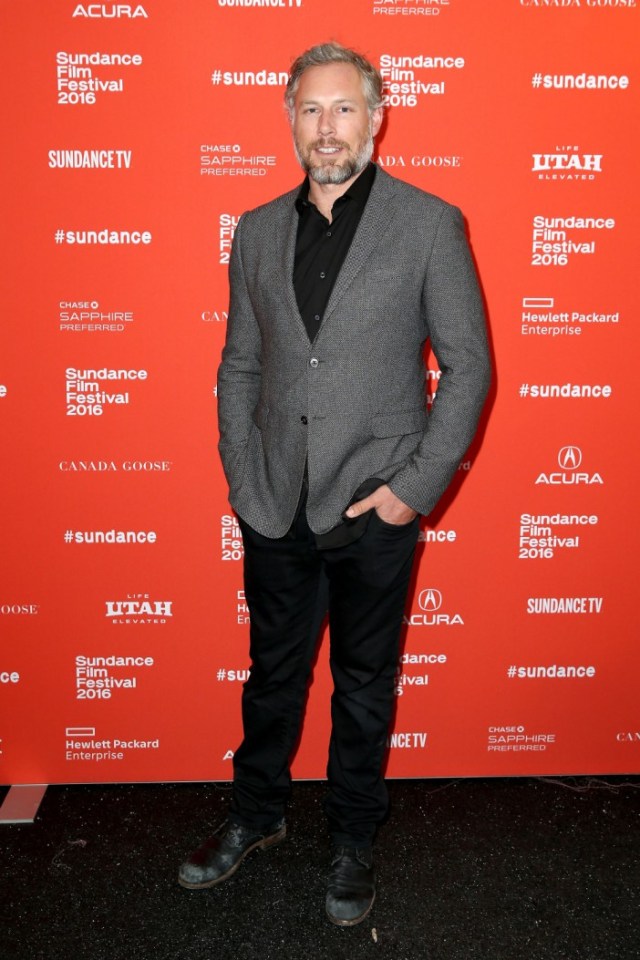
<point>321,247</point>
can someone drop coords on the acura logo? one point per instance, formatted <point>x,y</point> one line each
<point>430,600</point>
<point>570,458</point>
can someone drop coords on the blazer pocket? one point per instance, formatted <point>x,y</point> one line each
<point>260,416</point>
<point>399,424</point>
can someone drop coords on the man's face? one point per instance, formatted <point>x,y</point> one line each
<point>332,128</point>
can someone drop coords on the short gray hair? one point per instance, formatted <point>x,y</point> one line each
<point>325,53</point>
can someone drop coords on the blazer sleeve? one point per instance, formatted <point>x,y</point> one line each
<point>239,371</point>
<point>454,315</point>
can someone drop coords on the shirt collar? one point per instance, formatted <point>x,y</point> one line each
<point>358,191</point>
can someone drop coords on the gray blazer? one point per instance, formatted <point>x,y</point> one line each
<point>353,401</point>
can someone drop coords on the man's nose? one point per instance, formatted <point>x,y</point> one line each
<point>326,124</point>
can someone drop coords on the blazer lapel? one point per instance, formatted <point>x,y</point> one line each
<point>288,230</point>
<point>373,224</point>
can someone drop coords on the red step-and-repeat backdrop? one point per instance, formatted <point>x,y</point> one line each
<point>135,136</point>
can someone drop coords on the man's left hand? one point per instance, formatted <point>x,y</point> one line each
<point>389,508</point>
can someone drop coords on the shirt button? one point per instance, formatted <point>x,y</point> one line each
<point>322,275</point>
<point>317,318</point>
<point>304,420</point>
<point>328,233</point>
<point>314,362</point>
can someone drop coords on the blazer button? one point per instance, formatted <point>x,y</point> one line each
<point>304,420</point>
<point>314,362</point>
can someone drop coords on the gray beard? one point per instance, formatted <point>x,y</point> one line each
<point>338,172</point>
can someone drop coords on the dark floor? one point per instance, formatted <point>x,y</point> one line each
<point>507,869</point>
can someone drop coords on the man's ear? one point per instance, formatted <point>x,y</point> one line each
<point>376,120</point>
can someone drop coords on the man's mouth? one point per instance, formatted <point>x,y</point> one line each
<point>328,150</point>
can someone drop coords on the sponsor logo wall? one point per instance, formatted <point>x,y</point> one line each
<point>139,133</point>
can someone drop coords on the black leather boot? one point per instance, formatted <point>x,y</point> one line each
<point>220,856</point>
<point>351,886</point>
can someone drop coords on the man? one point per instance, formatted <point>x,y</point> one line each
<point>330,455</point>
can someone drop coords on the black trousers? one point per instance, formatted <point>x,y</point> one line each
<point>289,586</point>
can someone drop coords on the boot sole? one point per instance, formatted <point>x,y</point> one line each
<point>258,845</point>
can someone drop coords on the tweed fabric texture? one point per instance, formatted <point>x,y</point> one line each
<point>352,402</point>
